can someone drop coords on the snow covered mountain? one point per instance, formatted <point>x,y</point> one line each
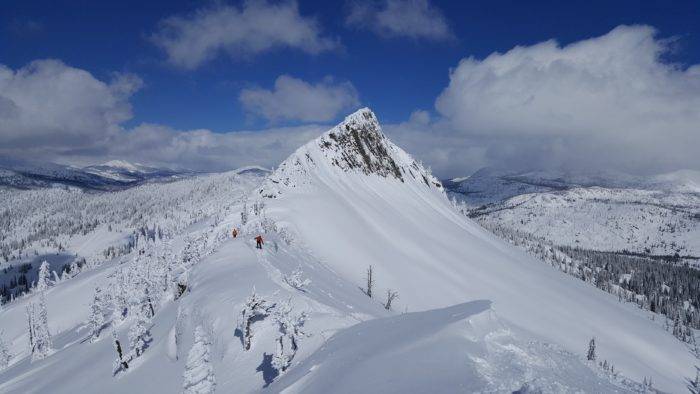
<point>112,175</point>
<point>448,306</point>
<point>657,215</point>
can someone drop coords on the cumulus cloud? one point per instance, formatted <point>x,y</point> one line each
<point>66,108</point>
<point>606,101</point>
<point>295,99</point>
<point>417,19</point>
<point>53,112</point>
<point>255,27</point>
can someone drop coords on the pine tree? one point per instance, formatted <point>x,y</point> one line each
<point>4,352</point>
<point>38,327</point>
<point>96,315</point>
<point>139,336</point>
<point>42,281</point>
<point>199,373</point>
<point>591,350</point>
<point>119,302</point>
<point>120,363</point>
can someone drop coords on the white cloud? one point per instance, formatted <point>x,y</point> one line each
<point>49,102</point>
<point>295,99</point>
<point>417,19</point>
<point>605,101</point>
<point>53,112</point>
<point>208,151</point>
<point>257,26</point>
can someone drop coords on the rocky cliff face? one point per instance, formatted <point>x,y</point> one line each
<point>355,145</point>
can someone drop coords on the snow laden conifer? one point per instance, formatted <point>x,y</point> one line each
<point>199,374</point>
<point>38,327</point>
<point>120,363</point>
<point>44,278</point>
<point>96,319</point>
<point>4,352</point>
<point>139,336</point>
<point>118,296</point>
<point>591,350</point>
<point>255,308</point>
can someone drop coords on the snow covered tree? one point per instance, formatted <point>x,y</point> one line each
<point>120,364</point>
<point>118,296</point>
<point>281,360</point>
<point>591,350</point>
<point>38,326</point>
<point>290,325</point>
<point>369,279</point>
<point>296,279</point>
<point>139,336</point>
<point>199,373</point>
<point>4,352</point>
<point>42,281</point>
<point>391,295</point>
<point>96,315</point>
<point>255,308</point>
<point>244,214</point>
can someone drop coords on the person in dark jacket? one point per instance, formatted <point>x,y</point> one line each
<point>259,242</point>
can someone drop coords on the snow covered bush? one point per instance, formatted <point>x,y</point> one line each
<point>199,373</point>
<point>296,279</point>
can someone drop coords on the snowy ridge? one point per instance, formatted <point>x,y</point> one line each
<point>420,246</point>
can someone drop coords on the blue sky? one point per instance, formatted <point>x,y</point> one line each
<point>368,61</point>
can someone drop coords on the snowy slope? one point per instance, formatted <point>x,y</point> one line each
<point>482,316</point>
<point>657,215</point>
<point>406,228</point>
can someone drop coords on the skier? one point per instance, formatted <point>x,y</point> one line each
<point>258,242</point>
<point>234,232</point>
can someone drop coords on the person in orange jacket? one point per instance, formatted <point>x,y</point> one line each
<point>259,242</point>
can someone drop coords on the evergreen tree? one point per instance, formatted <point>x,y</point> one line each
<point>96,315</point>
<point>199,373</point>
<point>38,327</point>
<point>591,350</point>
<point>4,352</point>
<point>120,364</point>
<point>139,336</point>
<point>42,281</point>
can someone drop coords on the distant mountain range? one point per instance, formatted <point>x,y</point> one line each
<point>604,211</point>
<point>112,175</point>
